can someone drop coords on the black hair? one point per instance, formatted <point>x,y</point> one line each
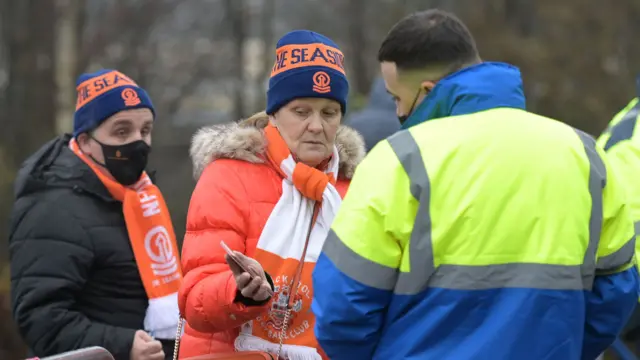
<point>431,38</point>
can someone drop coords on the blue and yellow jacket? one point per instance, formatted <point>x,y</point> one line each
<point>490,233</point>
<point>621,142</point>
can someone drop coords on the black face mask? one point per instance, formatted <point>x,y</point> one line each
<point>403,118</point>
<point>127,162</point>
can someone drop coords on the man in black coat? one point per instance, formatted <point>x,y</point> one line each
<point>74,275</point>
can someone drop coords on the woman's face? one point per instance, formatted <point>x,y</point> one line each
<point>309,126</point>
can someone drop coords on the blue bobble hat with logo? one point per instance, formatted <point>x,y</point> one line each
<point>307,64</point>
<point>102,94</point>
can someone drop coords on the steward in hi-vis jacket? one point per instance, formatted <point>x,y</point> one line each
<point>621,142</point>
<point>481,231</point>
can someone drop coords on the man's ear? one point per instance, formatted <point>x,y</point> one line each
<point>83,142</point>
<point>83,139</point>
<point>428,85</point>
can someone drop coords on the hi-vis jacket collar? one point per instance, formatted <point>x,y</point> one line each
<point>484,86</point>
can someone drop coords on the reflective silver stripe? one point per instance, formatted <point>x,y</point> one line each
<point>515,275</point>
<point>423,273</point>
<point>356,267</point>
<point>422,270</point>
<point>420,253</point>
<point>623,129</point>
<point>617,259</point>
<point>420,245</point>
<point>636,226</point>
<point>597,182</point>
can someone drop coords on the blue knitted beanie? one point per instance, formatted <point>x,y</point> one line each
<point>307,64</point>
<point>104,93</point>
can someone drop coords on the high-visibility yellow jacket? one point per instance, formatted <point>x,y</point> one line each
<point>489,233</point>
<point>621,141</point>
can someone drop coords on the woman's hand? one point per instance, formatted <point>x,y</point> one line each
<point>256,288</point>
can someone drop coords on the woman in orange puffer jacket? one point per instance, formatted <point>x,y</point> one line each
<point>258,186</point>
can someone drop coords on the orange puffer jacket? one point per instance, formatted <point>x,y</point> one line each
<point>232,201</point>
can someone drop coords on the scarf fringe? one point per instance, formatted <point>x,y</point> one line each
<point>161,319</point>
<point>246,342</point>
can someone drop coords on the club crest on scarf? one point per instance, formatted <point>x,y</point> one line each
<point>272,323</point>
<point>164,265</point>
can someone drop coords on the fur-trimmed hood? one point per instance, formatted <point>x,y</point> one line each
<point>246,141</point>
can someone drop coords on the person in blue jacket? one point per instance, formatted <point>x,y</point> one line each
<point>481,230</point>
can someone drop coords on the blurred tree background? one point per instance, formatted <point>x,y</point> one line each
<point>207,61</point>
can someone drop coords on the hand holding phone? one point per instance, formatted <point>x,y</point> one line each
<point>249,275</point>
<point>237,261</point>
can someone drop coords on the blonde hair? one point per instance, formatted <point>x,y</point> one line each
<point>258,120</point>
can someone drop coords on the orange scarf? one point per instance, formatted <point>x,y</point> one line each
<point>311,182</point>
<point>153,242</point>
<point>280,248</point>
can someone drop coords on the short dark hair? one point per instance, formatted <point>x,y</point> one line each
<point>429,38</point>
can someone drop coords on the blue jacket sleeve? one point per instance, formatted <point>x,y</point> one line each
<point>615,289</point>
<point>609,306</point>
<point>349,314</point>
<point>356,273</point>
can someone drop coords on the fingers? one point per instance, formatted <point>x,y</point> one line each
<point>257,289</point>
<point>156,356</point>
<point>144,336</point>
<point>263,293</point>
<point>252,287</point>
<point>152,348</point>
<point>243,280</point>
<point>240,263</point>
<point>250,264</point>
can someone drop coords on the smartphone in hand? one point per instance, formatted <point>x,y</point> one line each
<point>241,264</point>
<point>233,257</point>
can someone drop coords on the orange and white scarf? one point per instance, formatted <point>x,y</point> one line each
<point>154,246</point>
<point>280,248</point>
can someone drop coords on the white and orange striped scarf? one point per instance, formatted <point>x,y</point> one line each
<point>280,248</point>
